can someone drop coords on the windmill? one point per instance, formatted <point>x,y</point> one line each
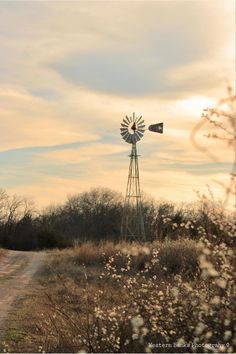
<point>132,224</point>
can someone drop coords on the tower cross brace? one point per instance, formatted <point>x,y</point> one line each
<point>132,225</point>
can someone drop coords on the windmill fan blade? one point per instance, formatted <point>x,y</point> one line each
<point>140,135</point>
<point>124,125</point>
<point>124,134</point>
<point>125,137</point>
<point>141,126</point>
<point>139,131</point>
<point>129,139</point>
<point>123,129</point>
<point>138,120</point>
<point>156,128</point>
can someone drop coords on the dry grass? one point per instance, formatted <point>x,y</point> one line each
<point>91,254</point>
<point>128,297</point>
<point>179,256</point>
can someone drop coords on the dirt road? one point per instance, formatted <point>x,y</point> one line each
<point>16,273</point>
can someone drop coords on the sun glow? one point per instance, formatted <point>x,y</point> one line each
<point>194,106</point>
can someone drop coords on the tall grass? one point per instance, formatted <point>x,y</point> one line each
<point>178,256</point>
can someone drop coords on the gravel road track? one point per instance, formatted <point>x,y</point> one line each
<point>17,270</point>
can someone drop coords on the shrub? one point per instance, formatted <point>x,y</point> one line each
<point>49,238</point>
<point>87,254</point>
<point>179,256</point>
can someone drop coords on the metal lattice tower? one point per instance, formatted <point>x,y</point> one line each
<point>132,223</point>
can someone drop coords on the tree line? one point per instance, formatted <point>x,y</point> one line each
<point>94,216</point>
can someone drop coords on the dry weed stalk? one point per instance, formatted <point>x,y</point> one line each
<point>222,120</point>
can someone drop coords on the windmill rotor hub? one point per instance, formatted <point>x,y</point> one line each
<point>133,127</point>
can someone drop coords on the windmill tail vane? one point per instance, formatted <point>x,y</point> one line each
<point>157,128</point>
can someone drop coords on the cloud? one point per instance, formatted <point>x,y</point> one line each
<point>28,121</point>
<point>69,74</point>
<point>83,154</point>
<point>163,59</point>
<point>126,48</point>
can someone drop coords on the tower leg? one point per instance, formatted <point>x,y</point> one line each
<point>132,224</point>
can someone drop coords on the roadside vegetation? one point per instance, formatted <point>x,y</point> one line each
<point>168,296</point>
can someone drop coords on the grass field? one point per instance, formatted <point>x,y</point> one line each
<point>175,296</point>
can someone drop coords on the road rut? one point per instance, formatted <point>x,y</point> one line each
<point>17,269</point>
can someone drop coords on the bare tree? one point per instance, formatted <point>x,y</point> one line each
<point>16,215</point>
<point>3,203</point>
<point>222,122</point>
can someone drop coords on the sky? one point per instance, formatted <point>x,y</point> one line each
<point>70,71</point>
